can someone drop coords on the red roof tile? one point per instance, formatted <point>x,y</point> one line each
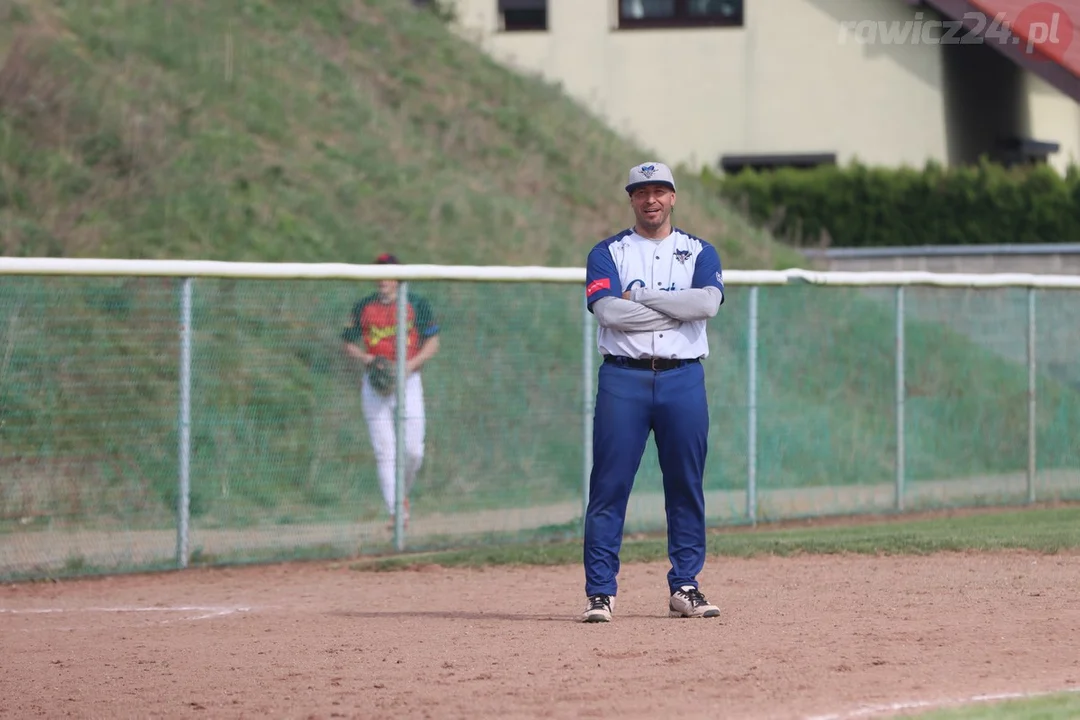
<point>1048,31</point>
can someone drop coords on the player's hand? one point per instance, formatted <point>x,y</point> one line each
<point>363,357</point>
<point>626,295</point>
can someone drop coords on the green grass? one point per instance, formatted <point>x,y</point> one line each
<point>1060,706</point>
<point>1043,530</point>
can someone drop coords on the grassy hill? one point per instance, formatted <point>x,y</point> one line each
<point>281,131</point>
<point>329,131</point>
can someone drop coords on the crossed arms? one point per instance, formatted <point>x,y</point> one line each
<point>643,310</point>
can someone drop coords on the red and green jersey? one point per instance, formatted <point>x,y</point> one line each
<point>374,326</point>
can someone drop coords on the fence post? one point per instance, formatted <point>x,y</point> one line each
<point>1032,426</point>
<point>399,414</point>
<point>900,395</point>
<point>587,357</point>
<point>751,415</point>
<point>183,502</point>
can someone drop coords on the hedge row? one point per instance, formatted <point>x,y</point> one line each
<point>859,206</point>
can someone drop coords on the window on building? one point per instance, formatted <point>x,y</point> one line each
<point>679,13</point>
<point>523,14</point>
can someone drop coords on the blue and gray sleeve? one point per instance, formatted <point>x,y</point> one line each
<point>603,293</point>
<point>601,276</point>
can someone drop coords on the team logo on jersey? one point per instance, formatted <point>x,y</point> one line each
<point>641,284</point>
<point>648,170</point>
<point>682,256</point>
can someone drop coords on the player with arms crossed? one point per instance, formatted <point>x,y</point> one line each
<point>651,288</point>
<point>371,338</point>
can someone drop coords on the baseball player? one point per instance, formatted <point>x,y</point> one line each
<point>371,338</point>
<point>651,288</point>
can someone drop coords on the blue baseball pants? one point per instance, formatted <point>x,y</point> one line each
<point>630,403</point>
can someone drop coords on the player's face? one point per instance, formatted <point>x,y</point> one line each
<point>388,290</point>
<point>652,206</point>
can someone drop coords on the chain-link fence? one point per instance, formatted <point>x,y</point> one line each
<point>155,420</point>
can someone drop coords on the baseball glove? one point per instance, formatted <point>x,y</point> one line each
<point>381,375</point>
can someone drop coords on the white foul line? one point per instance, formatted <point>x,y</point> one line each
<point>872,710</point>
<point>207,611</point>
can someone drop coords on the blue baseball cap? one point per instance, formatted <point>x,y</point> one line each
<point>650,173</point>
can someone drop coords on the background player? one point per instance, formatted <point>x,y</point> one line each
<point>652,288</point>
<point>372,334</point>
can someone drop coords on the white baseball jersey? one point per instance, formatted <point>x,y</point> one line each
<point>678,262</point>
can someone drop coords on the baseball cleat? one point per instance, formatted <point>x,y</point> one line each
<point>598,609</point>
<point>688,602</point>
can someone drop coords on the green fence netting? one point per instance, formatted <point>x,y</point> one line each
<point>281,464</point>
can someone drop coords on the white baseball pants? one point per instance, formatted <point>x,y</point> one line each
<point>379,414</point>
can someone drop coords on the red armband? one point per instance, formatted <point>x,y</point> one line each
<point>597,285</point>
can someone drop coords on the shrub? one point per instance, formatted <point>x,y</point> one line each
<point>861,206</point>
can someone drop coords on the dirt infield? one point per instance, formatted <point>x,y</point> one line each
<point>807,637</point>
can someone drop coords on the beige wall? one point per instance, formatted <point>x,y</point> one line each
<point>1054,117</point>
<point>784,83</point>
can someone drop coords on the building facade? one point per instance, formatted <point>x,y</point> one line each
<point>731,83</point>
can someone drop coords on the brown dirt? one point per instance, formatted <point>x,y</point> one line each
<point>803,637</point>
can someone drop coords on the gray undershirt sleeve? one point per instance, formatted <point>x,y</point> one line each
<point>683,305</point>
<point>627,316</point>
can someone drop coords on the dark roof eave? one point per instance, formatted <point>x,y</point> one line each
<point>1052,72</point>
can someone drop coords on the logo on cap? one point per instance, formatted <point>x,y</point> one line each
<point>648,174</point>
